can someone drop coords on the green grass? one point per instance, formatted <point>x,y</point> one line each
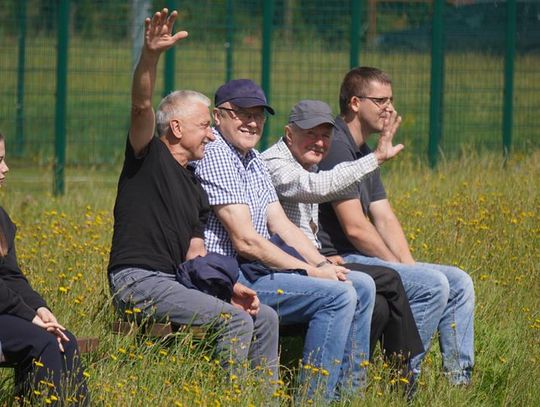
<point>474,212</point>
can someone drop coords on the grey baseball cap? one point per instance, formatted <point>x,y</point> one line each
<point>307,114</point>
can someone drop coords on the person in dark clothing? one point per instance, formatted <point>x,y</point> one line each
<point>160,215</point>
<point>31,340</point>
<point>364,228</point>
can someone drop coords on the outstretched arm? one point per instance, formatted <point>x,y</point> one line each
<point>294,183</point>
<point>158,38</point>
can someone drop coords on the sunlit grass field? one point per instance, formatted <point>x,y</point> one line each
<point>476,212</point>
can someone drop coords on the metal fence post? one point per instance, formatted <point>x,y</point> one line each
<point>140,10</point>
<point>170,60</point>
<point>229,44</point>
<point>21,63</point>
<point>61,97</point>
<point>268,14</point>
<point>356,13</point>
<point>437,82</point>
<point>508,92</point>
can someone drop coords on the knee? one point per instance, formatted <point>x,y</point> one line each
<point>71,346</point>
<point>345,296</point>
<point>440,288</point>
<point>464,286</point>
<point>267,318</point>
<point>241,321</point>
<point>365,287</point>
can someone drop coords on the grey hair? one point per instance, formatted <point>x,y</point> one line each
<point>177,104</point>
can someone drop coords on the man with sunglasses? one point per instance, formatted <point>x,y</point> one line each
<point>364,229</point>
<point>288,273</point>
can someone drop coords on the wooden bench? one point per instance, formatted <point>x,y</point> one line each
<point>156,329</point>
<point>161,330</point>
<point>87,345</point>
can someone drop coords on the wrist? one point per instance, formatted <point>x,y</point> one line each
<point>323,263</point>
<point>378,156</point>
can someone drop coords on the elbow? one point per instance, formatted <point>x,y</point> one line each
<point>247,247</point>
<point>354,234</point>
<point>140,108</point>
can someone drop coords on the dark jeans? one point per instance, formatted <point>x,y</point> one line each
<point>392,322</point>
<point>24,344</point>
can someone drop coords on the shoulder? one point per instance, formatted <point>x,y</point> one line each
<point>275,151</point>
<point>5,219</point>
<point>278,156</point>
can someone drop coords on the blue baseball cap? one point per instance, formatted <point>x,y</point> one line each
<point>242,93</point>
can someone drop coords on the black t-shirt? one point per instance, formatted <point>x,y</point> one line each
<point>159,207</point>
<point>16,296</point>
<point>343,148</point>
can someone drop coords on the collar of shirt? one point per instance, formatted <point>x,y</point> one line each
<point>280,150</point>
<point>245,160</point>
<point>342,127</point>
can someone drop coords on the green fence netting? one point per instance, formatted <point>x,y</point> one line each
<point>302,51</point>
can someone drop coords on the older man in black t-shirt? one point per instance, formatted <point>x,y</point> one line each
<point>160,214</point>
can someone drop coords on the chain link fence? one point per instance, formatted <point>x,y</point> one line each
<point>295,48</point>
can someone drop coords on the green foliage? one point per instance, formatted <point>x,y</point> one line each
<point>476,212</point>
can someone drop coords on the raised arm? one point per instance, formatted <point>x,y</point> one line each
<point>158,38</point>
<point>294,183</point>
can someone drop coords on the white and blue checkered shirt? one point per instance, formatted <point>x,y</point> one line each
<point>229,178</point>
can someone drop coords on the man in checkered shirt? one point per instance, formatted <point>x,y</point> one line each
<point>246,212</point>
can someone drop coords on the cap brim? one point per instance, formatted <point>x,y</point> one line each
<point>250,102</point>
<point>313,122</point>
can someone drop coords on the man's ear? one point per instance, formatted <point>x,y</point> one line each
<point>288,135</point>
<point>354,104</point>
<point>176,128</point>
<point>217,117</point>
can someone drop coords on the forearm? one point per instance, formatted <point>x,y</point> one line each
<point>294,237</point>
<point>296,184</point>
<point>258,248</point>
<point>368,241</point>
<point>144,79</point>
<point>196,248</point>
<point>12,303</point>
<point>392,234</point>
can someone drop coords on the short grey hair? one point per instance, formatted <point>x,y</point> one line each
<point>177,104</point>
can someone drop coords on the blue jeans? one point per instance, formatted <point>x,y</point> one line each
<point>239,336</point>
<point>441,297</point>
<point>338,317</point>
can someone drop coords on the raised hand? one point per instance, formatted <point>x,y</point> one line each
<point>158,36</point>
<point>245,298</point>
<point>385,150</point>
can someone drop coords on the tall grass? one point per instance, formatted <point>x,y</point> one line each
<point>476,212</point>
